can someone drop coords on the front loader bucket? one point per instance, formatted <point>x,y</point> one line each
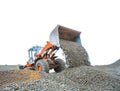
<point>69,41</point>
<point>64,33</point>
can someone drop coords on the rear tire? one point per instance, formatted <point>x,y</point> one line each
<point>61,65</point>
<point>42,66</point>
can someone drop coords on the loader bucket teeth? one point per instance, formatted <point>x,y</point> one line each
<point>61,32</point>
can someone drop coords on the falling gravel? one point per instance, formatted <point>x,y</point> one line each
<point>76,55</point>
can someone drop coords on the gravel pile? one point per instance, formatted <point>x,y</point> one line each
<point>115,64</point>
<point>84,78</point>
<point>76,55</point>
<point>113,69</point>
<point>17,76</point>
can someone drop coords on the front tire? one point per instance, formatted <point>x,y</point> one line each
<point>42,66</point>
<point>61,65</point>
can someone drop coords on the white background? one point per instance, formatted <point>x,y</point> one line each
<point>25,23</point>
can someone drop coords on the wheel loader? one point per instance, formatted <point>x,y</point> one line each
<point>44,58</point>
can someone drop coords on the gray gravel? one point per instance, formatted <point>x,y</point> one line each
<point>113,69</point>
<point>84,78</point>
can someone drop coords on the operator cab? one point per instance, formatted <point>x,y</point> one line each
<point>32,51</point>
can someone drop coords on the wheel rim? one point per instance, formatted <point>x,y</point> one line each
<point>39,67</point>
